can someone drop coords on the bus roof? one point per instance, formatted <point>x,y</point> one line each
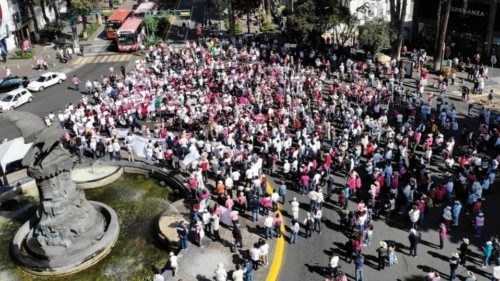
<point>130,25</point>
<point>120,15</point>
<point>145,7</point>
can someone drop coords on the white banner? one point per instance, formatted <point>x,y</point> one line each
<point>140,144</point>
<point>122,133</point>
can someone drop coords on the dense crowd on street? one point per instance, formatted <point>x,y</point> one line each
<point>234,118</point>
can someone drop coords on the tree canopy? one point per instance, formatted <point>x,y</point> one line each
<point>376,35</point>
<point>311,18</point>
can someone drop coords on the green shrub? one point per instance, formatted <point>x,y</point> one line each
<point>90,30</point>
<point>22,55</point>
<point>267,26</point>
<point>238,29</point>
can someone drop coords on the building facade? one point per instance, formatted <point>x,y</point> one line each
<point>18,20</point>
<point>473,26</point>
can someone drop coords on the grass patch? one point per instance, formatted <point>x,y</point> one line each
<point>22,55</point>
<point>90,30</point>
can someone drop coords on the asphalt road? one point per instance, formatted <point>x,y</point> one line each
<point>308,258</point>
<point>58,96</point>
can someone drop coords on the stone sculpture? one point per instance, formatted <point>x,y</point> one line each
<point>68,230</point>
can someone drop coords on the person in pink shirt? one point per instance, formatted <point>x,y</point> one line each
<point>235,217</point>
<point>229,203</point>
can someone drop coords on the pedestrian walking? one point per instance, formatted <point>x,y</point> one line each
<point>249,267</point>
<point>442,234</point>
<point>295,208</point>
<point>464,251</point>
<point>317,220</point>
<point>268,226</point>
<point>282,191</point>
<point>238,238</point>
<point>277,225</point>
<point>358,268</point>
<point>76,82</point>
<point>454,262</point>
<point>122,68</point>
<point>199,234</point>
<point>238,273</point>
<point>496,273</point>
<point>295,228</point>
<point>414,214</point>
<point>479,224</point>
<point>174,263</point>
<point>220,273</point>
<point>264,252</point>
<point>487,250</point>
<point>470,276</point>
<point>255,206</point>
<point>414,239</point>
<point>308,225</point>
<point>182,231</point>
<point>334,265</point>
<point>255,255</point>
<point>382,255</point>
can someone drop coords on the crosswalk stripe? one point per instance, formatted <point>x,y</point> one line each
<point>102,59</point>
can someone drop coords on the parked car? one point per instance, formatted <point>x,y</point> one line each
<point>46,80</point>
<point>13,82</point>
<point>15,99</point>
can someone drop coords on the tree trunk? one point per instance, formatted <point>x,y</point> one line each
<point>268,8</point>
<point>35,22</point>
<point>398,14</point>
<point>441,36</point>
<point>248,21</point>
<point>56,12</point>
<point>232,24</point>
<point>44,12</point>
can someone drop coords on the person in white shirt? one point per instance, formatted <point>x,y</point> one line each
<point>268,226</point>
<point>220,273</point>
<point>174,263</point>
<point>295,208</point>
<point>255,256</point>
<point>414,216</point>
<point>295,231</point>
<point>264,252</point>
<point>238,274</point>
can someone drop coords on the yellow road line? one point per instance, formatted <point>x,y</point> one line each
<point>279,251</point>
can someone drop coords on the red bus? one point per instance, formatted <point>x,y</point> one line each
<point>115,21</point>
<point>145,7</point>
<point>127,36</point>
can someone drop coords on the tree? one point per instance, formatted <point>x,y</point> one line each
<point>344,25</point>
<point>311,18</point>
<point>375,35</point>
<point>151,23</point>
<point>397,10</point>
<point>82,7</point>
<point>245,7</point>
<point>301,25</point>
<point>443,14</point>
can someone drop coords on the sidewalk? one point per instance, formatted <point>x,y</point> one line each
<point>197,263</point>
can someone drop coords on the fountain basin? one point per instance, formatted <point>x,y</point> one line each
<point>74,262</point>
<point>96,176</point>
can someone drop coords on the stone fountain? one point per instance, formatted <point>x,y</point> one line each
<point>68,233</point>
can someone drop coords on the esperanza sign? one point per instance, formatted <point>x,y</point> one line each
<point>470,12</point>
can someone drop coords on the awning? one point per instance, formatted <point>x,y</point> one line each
<point>12,151</point>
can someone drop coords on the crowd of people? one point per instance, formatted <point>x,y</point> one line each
<point>331,127</point>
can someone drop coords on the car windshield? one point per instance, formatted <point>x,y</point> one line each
<point>41,79</point>
<point>7,98</point>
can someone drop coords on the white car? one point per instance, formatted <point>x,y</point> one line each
<point>15,99</point>
<point>46,80</point>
